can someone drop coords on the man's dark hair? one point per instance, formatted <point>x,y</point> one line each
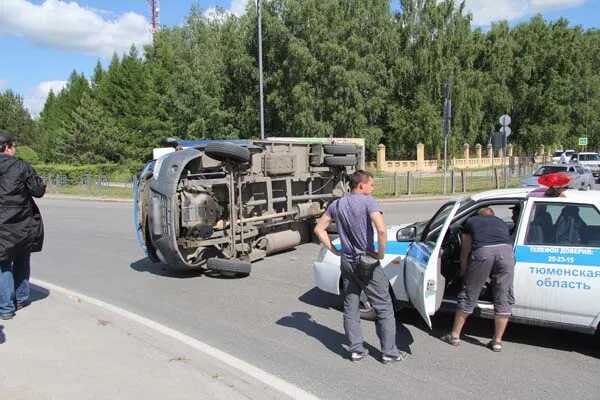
<point>6,140</point>
<point>359,176</point>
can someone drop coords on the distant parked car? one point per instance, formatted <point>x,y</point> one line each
<point>581,178</point>
<point>556,157</point>
<point>588,160</point>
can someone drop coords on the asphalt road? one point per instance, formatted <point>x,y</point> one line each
<point>277,320</point>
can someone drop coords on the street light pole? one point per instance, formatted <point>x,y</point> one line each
<point>447,119</point>
<point>260,70</point>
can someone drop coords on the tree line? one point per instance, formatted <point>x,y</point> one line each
<point>332,68</point>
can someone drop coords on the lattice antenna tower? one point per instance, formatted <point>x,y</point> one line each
<point>155,16</point>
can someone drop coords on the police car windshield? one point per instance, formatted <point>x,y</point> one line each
<point>549,169</point>
<point>442,213</point>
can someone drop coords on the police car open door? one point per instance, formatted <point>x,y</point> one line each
<point>423,279</point>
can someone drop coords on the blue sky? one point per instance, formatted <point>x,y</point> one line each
<point>43,41</point>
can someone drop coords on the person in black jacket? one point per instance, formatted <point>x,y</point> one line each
<point>21,227</point>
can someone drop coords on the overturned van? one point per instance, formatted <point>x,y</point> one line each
<point>220,205</point>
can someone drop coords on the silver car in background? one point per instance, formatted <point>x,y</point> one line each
<point>588,160</point>
<point>582,178</point>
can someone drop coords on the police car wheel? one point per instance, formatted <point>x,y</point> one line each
<point>367,312</point>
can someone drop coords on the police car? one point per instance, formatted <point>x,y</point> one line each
<point>557,252</point>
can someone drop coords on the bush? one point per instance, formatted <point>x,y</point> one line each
<point>26,153</point>
<point>75,173</point>
<point>134,168</point>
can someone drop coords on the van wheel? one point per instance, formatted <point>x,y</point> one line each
<point>332,228</point>
<point>229,267</point>
<point>340,161</point>
<point>339,149</point>
<point>227,151</point>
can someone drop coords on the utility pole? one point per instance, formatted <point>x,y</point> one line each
<point>505,132</point>
<point>260,70</point>
<point>154,16</point>
<point>447,118</point>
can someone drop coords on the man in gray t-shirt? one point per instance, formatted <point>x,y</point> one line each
<point>355,215</point>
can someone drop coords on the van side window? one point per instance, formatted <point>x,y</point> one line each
<point>563,224</point>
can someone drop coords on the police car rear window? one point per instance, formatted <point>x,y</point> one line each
<point>563,224</point>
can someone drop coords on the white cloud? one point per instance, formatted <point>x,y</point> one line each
<point>237,8</point>
<point>35,100</point>
<point>3,84</point>
<point>69,26</point>
<point>486,11</point>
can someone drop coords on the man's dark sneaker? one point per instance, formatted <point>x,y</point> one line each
<point>389,359</point>
<point>357,356</point>
<point>7,316</point>
<point>23,304</point>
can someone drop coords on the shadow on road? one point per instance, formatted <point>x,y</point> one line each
<point>317,298</point>
<point>146,265</point>
<point>37,293</point>
<point>478,331</point>
<point>330,338</point>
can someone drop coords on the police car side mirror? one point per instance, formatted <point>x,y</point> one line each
<point>407,234</point>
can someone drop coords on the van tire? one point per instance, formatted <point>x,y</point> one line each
<point>339,149</point>
<point>340,161</point>
<point>332,228</point>
<point>227,152</point>
<point>229,266</point>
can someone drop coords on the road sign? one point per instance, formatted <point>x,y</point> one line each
<point>505,120</point>
<point>583,141</point>
<point>506,130</point>
<point>498,140</point>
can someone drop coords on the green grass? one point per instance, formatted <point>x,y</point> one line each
<point>92,191</point>
<point>433,185</point>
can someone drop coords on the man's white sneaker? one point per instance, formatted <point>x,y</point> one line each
<point>357,356</point>
<point>389,360</point>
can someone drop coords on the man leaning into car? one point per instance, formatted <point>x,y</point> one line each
<point>21,228</point>
<point>355,215</point>
<point>486,252</point>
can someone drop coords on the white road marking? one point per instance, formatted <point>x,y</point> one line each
<point>234,362</point>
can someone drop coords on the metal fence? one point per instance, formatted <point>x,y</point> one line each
<point>456,181</point>
<point>397,184</point>
<point>89,185</point>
